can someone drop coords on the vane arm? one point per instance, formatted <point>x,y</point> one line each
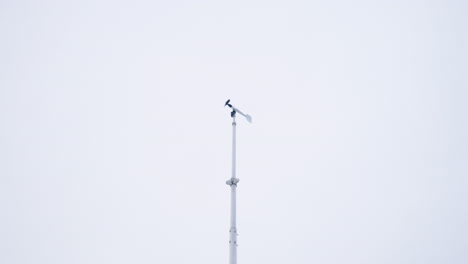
<point>248,117</point>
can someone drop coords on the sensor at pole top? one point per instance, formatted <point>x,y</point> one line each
<point>235,110</point>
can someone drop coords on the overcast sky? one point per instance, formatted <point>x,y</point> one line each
<point>115,146</point>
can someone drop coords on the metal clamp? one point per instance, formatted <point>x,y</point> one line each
<point>232,181</point>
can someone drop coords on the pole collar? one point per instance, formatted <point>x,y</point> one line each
<point>232,181</point>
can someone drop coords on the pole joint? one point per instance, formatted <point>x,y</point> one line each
<point>232,181</point>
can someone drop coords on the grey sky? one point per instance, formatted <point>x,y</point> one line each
<point>114,145</point>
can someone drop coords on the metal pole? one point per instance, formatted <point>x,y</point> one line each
<point>233,183</point>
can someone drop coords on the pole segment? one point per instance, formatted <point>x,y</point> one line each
<point>233,183</point>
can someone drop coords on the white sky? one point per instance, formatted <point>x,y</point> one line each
<point>115,146</point>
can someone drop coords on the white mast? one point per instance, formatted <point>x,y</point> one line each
<point>233,183</point>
